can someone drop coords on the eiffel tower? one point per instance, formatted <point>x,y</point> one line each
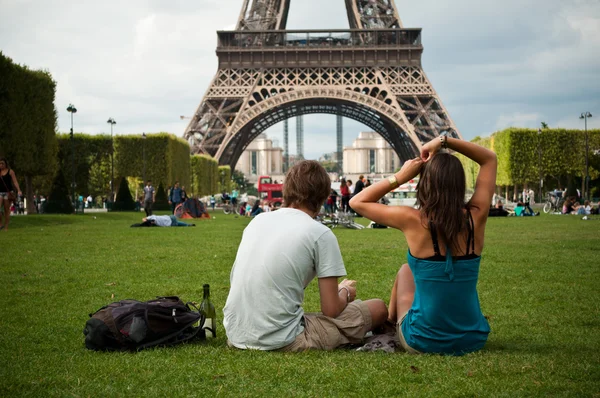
<point>370,73</point>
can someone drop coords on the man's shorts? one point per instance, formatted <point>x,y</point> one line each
<point>4,195</point>
<point>401,338</point>
<point>324,333</point>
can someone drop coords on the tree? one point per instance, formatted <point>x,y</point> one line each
<point>161,200</point>
<point>124,201</point>
<point>58,202</point>
<point>544,125</point>
<point>240,181</point>
<point>330,166</point>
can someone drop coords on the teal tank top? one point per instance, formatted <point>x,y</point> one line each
<point>445,316</point>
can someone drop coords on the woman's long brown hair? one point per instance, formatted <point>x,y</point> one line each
<point>441,198</point>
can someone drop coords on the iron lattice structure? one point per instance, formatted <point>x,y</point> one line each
<point>371,73</point>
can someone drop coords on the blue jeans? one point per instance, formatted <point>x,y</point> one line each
<point>175,223</point>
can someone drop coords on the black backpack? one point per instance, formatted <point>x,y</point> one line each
<point>134,325</point>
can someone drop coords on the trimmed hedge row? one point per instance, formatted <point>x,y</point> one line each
<point>224,179</point>
<point>205,172</point>
<point>27,122</point>
<point>518,151</point>
<point>167,158</point>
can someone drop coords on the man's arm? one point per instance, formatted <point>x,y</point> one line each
<point>334,298</point>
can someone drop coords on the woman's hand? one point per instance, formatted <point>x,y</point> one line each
<point>430,149</point>
<point>411,168</point>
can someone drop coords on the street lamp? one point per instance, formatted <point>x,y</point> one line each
<point>585,116</point>
<point>71,109</point>
<point>144,156</point>
<point>112,122</point>
<point>540,162</point>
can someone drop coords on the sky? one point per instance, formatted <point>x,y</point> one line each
<point>147,62</point>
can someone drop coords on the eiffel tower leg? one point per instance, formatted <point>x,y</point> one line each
<point>211,124</point>
<point>419,102</point>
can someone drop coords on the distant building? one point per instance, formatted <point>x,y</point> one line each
<point>370,154</point>
<point>261,158</point>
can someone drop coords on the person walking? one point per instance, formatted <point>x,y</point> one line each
<point>149,198</point>
<point>175,197</point>
<point>360,185</point>
<point>345,192</point>
<point>434,301</point>
<point>8,185</point>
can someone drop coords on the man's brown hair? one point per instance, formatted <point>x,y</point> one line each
<point>307,184</point>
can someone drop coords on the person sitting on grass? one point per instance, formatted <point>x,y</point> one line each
<point>568,206</point>
<point>268,280</point>
<point>524,210</point>
<point>434,302</point>
<point>256,209</point>
<point>162,221</point>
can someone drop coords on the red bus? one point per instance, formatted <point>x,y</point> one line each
<point>269,192</point>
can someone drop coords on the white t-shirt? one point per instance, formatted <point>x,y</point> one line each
<point>264,306</point>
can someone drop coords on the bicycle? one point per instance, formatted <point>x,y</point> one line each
<point>553,203</point>
<point>227,207</point>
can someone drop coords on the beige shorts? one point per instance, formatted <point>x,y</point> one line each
<point>401,338</point>
<point>324,333</point>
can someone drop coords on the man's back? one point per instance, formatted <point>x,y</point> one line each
<point>264,307</point>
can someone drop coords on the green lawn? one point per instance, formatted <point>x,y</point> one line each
<point>539,286</point>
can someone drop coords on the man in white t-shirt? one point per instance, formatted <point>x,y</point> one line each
<point>264,307</point>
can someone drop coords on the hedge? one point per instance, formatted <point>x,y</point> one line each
<point>205,171</point>
<point>92,162</point>
<point>167,158</point>
<point>518,151</point>
<point>27,122</point>
<point>224,179</point>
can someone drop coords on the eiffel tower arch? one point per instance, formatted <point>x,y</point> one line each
<point>371,73</point>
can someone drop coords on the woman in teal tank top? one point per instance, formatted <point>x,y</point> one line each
<point>434,301</point>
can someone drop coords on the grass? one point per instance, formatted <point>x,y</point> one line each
<point>538,285</point>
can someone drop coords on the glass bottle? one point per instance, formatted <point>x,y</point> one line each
<point>208,310</point>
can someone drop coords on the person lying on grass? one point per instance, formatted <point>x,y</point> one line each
<point>162,221</point>
<point>264,306</point>
<point>434,301</point>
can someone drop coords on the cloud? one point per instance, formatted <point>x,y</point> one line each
<point>145,62</point>
<point>143,30</point>
<point>517,120</point>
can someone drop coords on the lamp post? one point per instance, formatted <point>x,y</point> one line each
<point>71,109</point>
<point>540,162</point>
<point>144,157</point>
<point>112,122</point>
<point>585,116</point>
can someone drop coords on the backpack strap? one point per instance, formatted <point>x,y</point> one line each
<point>195,331</point>
<point>175,334</point>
